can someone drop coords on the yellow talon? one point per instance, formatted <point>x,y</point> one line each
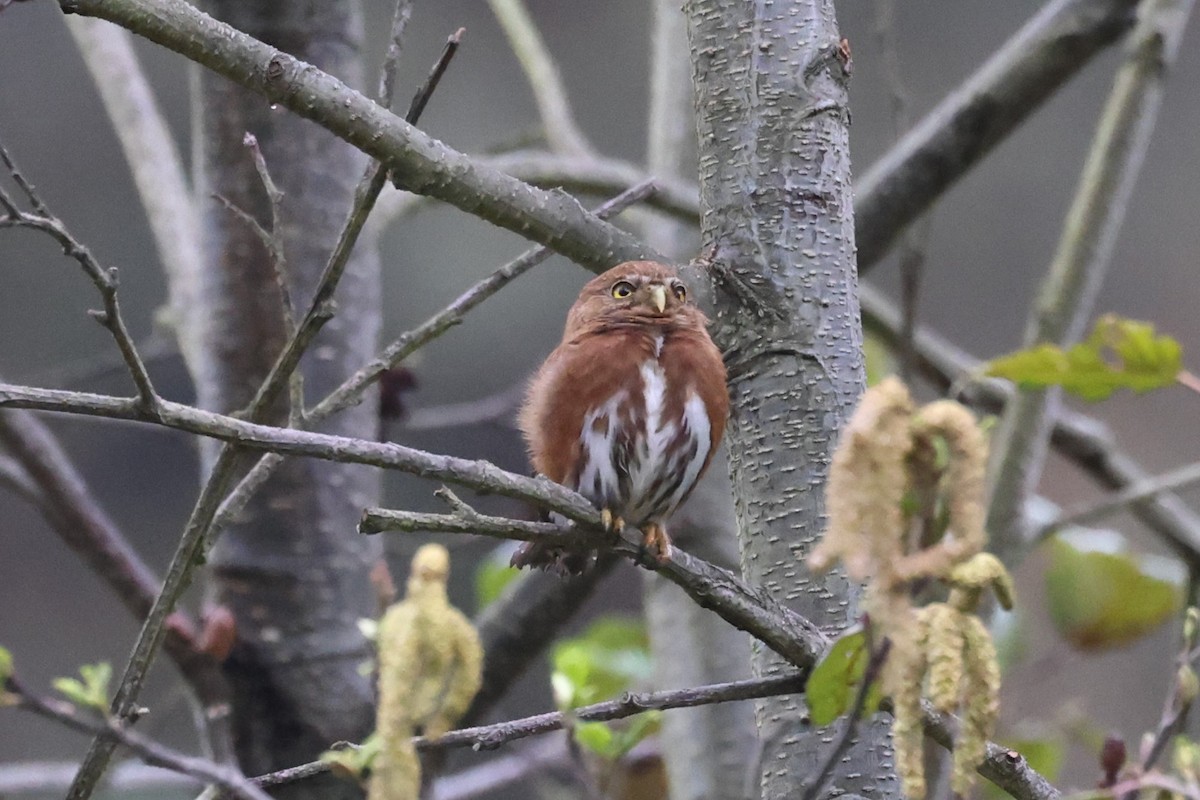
<point>611,523</point>
<point>656,542</point>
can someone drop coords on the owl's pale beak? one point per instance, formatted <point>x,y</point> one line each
<point>658,296</point>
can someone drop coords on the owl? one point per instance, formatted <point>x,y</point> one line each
<point>629,407</point>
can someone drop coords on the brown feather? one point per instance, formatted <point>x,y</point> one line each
<point>606,342</point>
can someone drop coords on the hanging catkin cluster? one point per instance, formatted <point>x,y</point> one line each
<point>906,505</point>
<point>430,667</point>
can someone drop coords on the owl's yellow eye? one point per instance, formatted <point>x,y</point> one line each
<point>680,291</point>
<point>622,289</point>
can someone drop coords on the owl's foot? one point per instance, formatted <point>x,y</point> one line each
<point>656,542</point>
<point>611,523</point>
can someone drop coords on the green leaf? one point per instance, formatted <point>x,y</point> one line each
<point>595,736</point>
<point>638,728</point>
<point>1100,600</point>
<point>604,661</point>
<point>92,690</point>
<point>491,578</point>
<point>834,683</point>
<point>6,665</point>
<point>612,741</point>
<point>1119,354</point>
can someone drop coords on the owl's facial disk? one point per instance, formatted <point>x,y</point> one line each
<point>634,293</point>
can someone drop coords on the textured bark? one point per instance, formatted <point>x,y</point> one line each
<point>779,228</point>
<point>291,569</point>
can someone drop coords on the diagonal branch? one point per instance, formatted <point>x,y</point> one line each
<point>1014,83</point>
<point>320,309</point>
<point>526,41</point>
<point>105,280</point>
<point>154,162</point>
<point>226,777</point>
<point>418,162</point>
<point>1073,280</point>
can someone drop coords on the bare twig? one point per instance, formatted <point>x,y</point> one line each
<point>1178,702</point>
<point>1181,478</point>
<point>391,59</point>
<point>489,737</point>
<point>562,132</point>
<point>418,162</point>
<point>320,309</point>
<point>1010,86</point>
<point>151,752</point>
<point>495,408</point>
<point>154,163</point>
<point>834,750</point>
<point>1068,292</point>
<point>105,280</point>
<point>915,238</point>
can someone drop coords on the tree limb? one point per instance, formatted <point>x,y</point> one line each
<point>418,162</point>
<point>1069,289</point>
<point>943,146</point>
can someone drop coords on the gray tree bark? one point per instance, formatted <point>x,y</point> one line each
<point>291,569</point>
<point>778,225</point>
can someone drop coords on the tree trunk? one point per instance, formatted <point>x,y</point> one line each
<point>779,228</point>
<point>291,568</point>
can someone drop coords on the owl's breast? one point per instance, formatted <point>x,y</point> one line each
<point>642,448</point>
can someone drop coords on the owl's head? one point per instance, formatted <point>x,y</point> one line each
<point>636,292</point>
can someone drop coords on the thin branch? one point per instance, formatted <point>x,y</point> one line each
<point>273,241</point>
<point>1083,440</point>
<point>489,737</point>
<point>836,749</point>
<point>913,242</point>
<point>320,309</point>
<point>151,752</point>
<point>16,478</point>
<point>599,175</point>
<point>418,162</point>
<point>391,59</point>
<point>746,608</point>
<point>1068,292</point>
<point>53,778</point>
<point>1024,73</point>
<point>154,162</point>
<point>500,407</point>
<point>105,280</point>
<point>137,668</point>
<point>1177,704</point>
<point>554,109</point>
<point>1174,480</point>
<point>516,628</point>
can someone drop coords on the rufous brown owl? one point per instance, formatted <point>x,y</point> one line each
<point>629,407</point>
